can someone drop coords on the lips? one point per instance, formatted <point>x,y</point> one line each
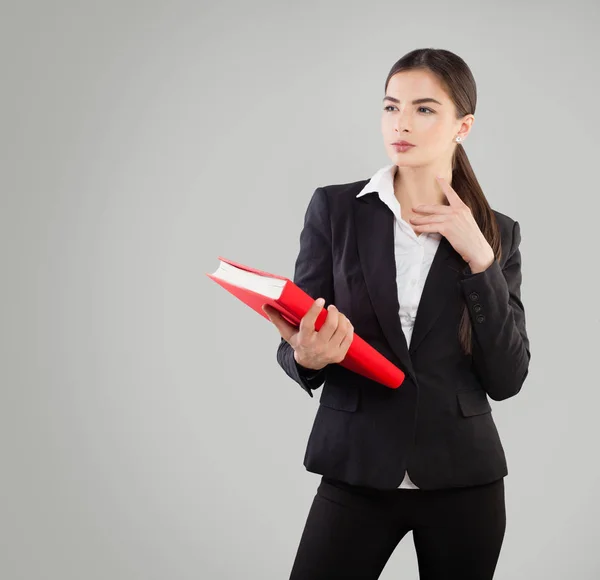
<point>404,143</point>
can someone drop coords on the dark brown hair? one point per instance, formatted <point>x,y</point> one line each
<point>458,82</point>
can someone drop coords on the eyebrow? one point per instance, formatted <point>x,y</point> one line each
<point>415,102</point>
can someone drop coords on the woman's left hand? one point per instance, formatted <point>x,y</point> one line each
<point>457,224</point>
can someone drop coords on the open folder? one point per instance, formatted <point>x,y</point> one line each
<point>256,287</point>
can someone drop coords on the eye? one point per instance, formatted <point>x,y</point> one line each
<point>429,111</point>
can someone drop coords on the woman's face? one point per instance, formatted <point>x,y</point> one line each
<point>431,126</point>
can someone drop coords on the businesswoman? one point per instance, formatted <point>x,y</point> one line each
<point>416,262</point>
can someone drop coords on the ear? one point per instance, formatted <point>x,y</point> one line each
<point>465,125</point>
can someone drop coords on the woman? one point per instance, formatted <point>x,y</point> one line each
<point>425,457</point>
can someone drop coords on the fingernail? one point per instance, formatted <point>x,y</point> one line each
<point>321,301</point>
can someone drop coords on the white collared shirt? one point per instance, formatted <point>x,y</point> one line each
<point>413,255</point>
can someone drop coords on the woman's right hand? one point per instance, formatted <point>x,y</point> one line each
<point>315,349</point>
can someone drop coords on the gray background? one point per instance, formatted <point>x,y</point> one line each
<point>147,431</point>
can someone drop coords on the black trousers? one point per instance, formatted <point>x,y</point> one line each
<point>352,531</point>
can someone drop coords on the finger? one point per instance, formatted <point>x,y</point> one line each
<point>344,329</point>
<point>307,323</point>
<point>339,332</point>
<point>345,344</point>
<point>422,219</point>
<point>437,209</point>
<point>334,316</point>
<point>428,228</point>
<point>286,329</point>
<point>451,195</point>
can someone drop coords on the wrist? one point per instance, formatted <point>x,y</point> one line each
<point>479,265</point>
<point>303,367</point>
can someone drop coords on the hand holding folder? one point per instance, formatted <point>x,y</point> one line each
<point>325,346</point>
<point>256,288</point>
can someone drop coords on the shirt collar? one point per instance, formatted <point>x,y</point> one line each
<point>382,183</point>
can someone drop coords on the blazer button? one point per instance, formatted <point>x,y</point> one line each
<point>477,307</point>
<point>473,296</point>
<point>480,318</point>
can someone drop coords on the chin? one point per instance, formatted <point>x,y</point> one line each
<point>402,160</point>
<point>408,159</point>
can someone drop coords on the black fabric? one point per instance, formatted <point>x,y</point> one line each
<point>351,532</point>
<point>439,423</point>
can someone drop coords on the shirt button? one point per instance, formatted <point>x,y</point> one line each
<point>480,318</point>
<point>473,296</point>
<point>477,307</point>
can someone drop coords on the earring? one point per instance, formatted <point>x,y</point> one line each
<point>458,139</point>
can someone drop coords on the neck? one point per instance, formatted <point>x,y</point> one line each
<point>418,185</point>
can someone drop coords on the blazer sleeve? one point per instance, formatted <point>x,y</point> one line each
<point>501,352</point>
<point>313,273</point>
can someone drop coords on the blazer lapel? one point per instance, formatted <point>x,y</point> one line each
<point>374,226</point>
<point>440,283</point>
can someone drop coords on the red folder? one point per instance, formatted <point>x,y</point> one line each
<point>293,303</point>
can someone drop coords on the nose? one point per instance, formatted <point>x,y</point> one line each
<point>402,122</point>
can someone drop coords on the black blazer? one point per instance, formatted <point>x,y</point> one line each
<point>438,424</point>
